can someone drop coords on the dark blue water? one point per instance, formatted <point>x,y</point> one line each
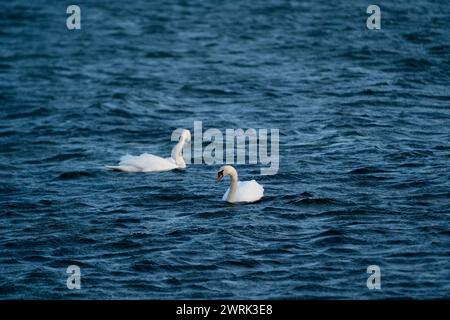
<point>364,125</point>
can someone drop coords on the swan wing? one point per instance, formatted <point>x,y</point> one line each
<point>249,191</point>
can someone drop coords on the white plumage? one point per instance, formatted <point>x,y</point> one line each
<point>150,163</point>
<point>247,191</point>
<point>144,163</point>
<point>240,191</point>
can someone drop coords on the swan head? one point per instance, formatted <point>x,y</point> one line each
<point>226,171</point>
<point>186,135</point>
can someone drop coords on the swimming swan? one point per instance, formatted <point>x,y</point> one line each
<point>247,191</point>
<point>151,163</point>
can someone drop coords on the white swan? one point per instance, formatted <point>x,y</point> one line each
<point>150,163</point>
<point>247,191</point>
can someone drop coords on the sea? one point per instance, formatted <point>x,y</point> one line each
<point>364,149</point>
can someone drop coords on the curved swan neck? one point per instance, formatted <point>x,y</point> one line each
<point>234,184</point>
<point>233,175</point>
<point>177,152</point>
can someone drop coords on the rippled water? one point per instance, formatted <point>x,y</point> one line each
<point>364,124</point>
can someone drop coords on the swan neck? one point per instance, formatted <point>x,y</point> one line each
<point>233,187</point>
<point>179,153</point>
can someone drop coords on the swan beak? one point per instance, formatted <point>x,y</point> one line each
<point>219,176</point>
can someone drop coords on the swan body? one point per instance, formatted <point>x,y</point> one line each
<point>240,191</point>
<point>150,163</point>
<point>144,163</point>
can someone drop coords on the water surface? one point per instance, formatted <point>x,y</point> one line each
<point>364,175</point>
